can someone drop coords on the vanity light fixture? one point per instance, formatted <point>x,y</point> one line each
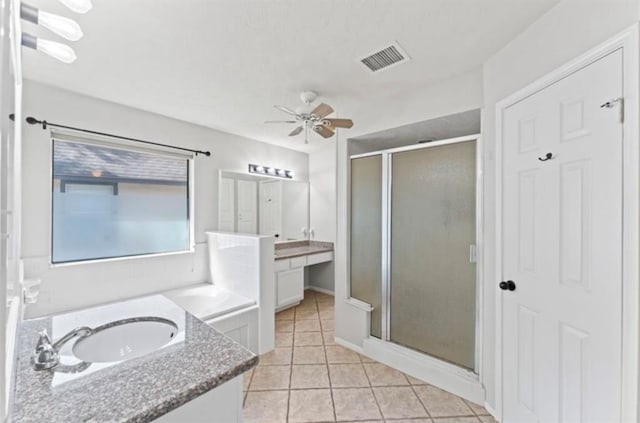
<point>78,6</point>
<point>64,27</point>
<point>59,51</point>
<point>270,171</point>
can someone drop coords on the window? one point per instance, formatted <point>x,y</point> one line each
<point>117,201</point>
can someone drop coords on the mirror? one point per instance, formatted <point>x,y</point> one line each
<point>253,204</point>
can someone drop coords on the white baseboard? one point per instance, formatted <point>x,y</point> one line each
<point>349,345</point>
<point>320,290</point>
<point>490,410</point>
<point>449,377</point>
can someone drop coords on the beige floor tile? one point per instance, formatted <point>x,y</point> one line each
<point>487,419</point>
<point>327,313</point>
<point>329,338</point>
<point>366,359</point>
<point>324,298</point>
<point>348,376</point>
<point>337,354</point>
<point>284,326</point>
<point>305,339</point>
<point>309,294</point>
<point>308,326</point>
<point>456,420</point>
<point>270,378</point>
<point>246,379</point>
<point>307,303</point>
<point>381,375</point>
<point>308,355</point>
<point>441,403</point>
<point>414,381</point>
<point>328,325</point>
<point>311,405</point>
<point>277,356</point>
<point>355,404</point>
<point>284,339</point>
<point>266,407</point>
<point>427,420</point>
<point>285,314</point>
<point>309,376</point>
<point>307,314</point>
<point>399,403</point>
<point>477,408</point>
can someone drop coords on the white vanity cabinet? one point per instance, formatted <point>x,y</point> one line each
<point>290,277</point>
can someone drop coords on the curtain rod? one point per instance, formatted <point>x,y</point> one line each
<point>33,121</point>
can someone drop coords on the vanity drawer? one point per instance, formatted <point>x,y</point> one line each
<point>298,262</point>
<point>281,265</point>
<point>319,258</point>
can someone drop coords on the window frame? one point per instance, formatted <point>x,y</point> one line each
<point>109,142</point>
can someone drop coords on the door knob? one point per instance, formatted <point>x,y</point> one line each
<point>507,286</point>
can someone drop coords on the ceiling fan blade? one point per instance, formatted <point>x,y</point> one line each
<point>338,123</point>
<point>280,121</point>
<point>324,131</point>
<point>322,110</point>
<point>295,131</point>
<point>286,110</point>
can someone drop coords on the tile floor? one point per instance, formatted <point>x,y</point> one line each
<point>308,378</point>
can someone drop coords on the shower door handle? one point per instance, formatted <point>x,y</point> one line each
<point>473,253</point>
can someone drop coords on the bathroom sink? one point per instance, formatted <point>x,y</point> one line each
<point>125,339</point>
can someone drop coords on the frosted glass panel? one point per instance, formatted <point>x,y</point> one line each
<point>433,291</point>
<point>109,202</point>
<point>366,235</point>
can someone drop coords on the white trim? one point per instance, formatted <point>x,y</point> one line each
<point>320,290</point>
<point>489,409</point>
<point>472,137</point>
<point>462,382</point>
<point>385,236</point>
<point>359,304</point>
<point>628,41</point>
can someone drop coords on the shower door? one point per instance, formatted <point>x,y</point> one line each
<point>366,235</point>
<point>432,280</point>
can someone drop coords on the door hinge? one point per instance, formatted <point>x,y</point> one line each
<point>611,103</point>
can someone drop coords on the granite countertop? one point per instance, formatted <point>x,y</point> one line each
<point>291,249</point>
<point>198,359</point>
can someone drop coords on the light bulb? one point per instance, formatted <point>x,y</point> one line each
<point>78,6</point>
<point>64,27</point>
<point>59,51</point>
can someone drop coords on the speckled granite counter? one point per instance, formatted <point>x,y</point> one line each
<point>198,359</point>
<point>289,249</point>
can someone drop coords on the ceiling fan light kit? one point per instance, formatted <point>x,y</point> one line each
<point>316,120</point>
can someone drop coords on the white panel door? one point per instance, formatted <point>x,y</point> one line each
<point>562,249</point>
<point>247,207</point>
<point>226,207</point>
<point>271,208</point>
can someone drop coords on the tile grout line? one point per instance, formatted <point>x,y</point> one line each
<point>375,398</point>
<point>326,363</point>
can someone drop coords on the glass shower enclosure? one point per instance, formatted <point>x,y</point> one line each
<point>413,236</point>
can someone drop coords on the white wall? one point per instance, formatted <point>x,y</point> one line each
<point>563,33</point>
<point>322,209</point>
<point>80,285</point>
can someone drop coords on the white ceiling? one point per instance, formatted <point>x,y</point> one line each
<point>225,63</point>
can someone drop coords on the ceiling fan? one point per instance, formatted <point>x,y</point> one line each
<point>312,119</point>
